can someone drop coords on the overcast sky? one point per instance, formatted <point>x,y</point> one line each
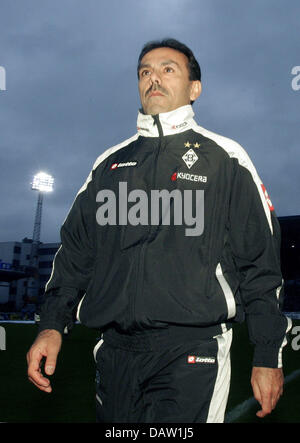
<point>71,91</point>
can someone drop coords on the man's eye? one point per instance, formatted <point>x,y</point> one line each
<point>145,73</point>
<point>169,69</point>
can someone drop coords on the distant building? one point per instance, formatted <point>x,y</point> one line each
<point>15,272</point>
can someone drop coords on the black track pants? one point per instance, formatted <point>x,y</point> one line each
<point>183,383</point>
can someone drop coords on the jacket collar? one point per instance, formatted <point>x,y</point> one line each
<point>173,122</point>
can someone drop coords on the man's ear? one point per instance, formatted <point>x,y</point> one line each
<point>196,89</point>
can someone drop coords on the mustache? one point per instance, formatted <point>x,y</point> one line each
<point>154,88</point>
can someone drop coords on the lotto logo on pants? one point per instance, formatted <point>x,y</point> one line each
<point>192,359</point>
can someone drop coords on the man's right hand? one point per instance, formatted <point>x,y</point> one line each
<point>46,345</point>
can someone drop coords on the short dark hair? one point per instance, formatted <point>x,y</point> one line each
<point>193,65</point>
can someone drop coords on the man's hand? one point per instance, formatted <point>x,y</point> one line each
<point>267,385</point>
<point>47,344</point>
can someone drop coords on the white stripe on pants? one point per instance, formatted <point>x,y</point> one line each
<point>221,390</point>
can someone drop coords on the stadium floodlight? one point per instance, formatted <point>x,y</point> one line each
<point>42,182</point>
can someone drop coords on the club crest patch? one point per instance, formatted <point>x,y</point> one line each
<point>190,158</point>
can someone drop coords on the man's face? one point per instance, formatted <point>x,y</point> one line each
<point>164,83</point>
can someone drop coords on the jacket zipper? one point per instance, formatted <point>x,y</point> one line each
<point>152,229</point>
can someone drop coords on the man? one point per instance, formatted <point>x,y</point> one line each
<point>170,240</point>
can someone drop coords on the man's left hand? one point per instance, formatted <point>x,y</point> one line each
<point>267,385</point>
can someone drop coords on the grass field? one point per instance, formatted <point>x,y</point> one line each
<point>72,399</point>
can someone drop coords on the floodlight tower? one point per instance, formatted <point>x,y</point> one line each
<point>42,183</point>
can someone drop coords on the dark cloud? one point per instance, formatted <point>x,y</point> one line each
<point>72,90</point>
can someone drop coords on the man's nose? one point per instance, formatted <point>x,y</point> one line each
<point>155,78</point>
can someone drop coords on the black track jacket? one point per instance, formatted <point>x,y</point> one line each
<point>203,251</point>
